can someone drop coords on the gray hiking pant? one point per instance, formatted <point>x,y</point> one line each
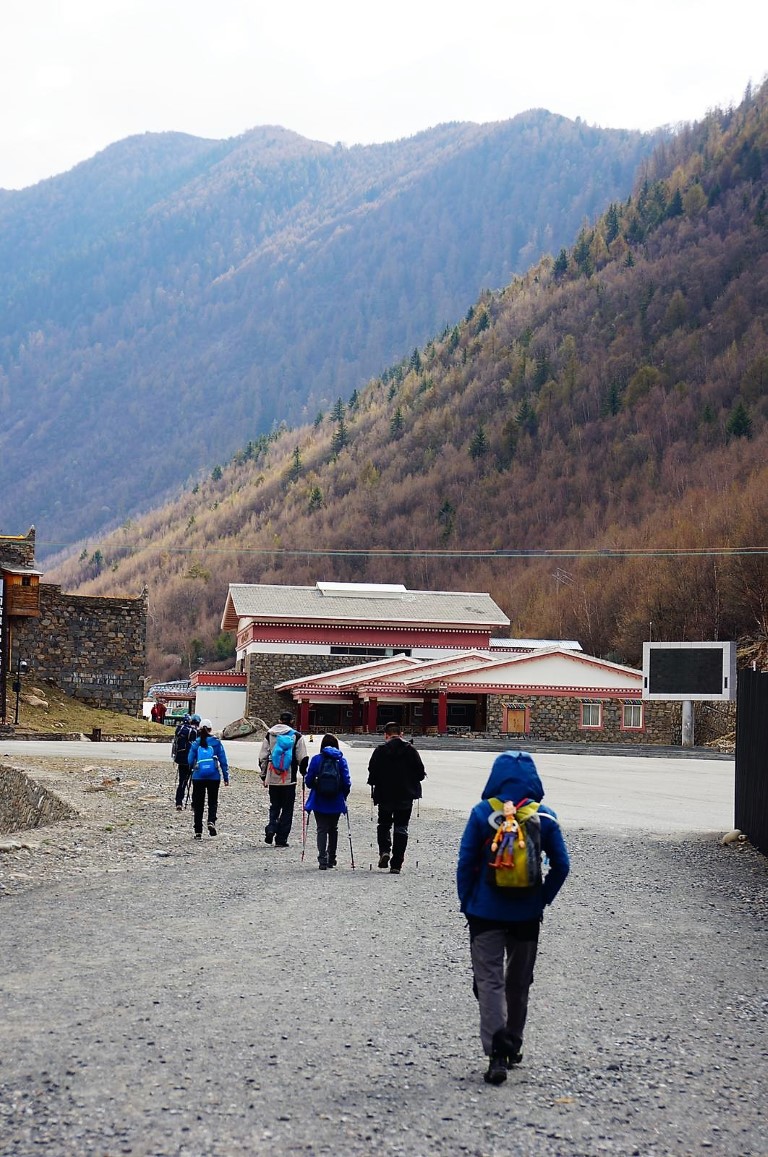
<point>502,987</point>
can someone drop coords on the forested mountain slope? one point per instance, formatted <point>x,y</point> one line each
<point>173,297</point>
<point>613,398</point>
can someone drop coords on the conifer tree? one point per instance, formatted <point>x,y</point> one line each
<point>560,267</point>
<point>478,445</point>
<point>446,517</point>
<point>296,465</point>
<point>739,424</point>
<point>340,438</point>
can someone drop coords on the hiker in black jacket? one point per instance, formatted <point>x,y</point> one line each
<point>186,734</point>
<point>395,772</point>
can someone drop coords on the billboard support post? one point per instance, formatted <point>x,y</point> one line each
<point>687,723</point>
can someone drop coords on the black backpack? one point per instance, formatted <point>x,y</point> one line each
<point>328,779</point>
<point>183,740</point>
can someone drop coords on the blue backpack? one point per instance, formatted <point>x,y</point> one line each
<point>206,763</point>
<point>281,756</point>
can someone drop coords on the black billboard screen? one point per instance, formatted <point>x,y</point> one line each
<point>685,671</point>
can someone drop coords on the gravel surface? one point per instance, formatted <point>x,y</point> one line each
<point>167,997</point>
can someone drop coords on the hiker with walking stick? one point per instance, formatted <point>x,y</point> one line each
<point>395,772</point>
<point>330,782</point>
<point>184,736</point>
<point>282,757</point>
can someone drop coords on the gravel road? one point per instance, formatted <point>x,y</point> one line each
<point>224,998</point>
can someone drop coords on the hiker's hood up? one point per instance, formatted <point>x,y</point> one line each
<point>334,752</point>
<point>513,776</point>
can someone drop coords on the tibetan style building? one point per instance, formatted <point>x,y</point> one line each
<point>349,657</point>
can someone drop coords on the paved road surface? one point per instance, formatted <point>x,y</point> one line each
<point>666,794</point>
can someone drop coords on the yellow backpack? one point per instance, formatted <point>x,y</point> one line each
<point>515,847</point>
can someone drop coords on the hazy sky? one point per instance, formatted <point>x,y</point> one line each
<point>76,75</point>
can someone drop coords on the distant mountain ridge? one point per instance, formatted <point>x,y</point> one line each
<point>610,407</point>
<point>172,298</point>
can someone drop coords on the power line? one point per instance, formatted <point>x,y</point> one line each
<point>501,553</point>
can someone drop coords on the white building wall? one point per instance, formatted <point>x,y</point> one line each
<point>222,705</point>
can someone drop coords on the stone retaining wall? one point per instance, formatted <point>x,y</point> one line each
<point>713,720</point>
<point>25,804</point>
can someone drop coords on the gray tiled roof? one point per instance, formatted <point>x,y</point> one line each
<point>361,604</point>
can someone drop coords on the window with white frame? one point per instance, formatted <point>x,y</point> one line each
<point>632,716</point>
<point>591,715</point>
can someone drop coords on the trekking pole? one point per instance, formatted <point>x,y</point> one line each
<point>303,820</point>
<point>418,813</point>
<point>370,866</point>
<point>349,832</point>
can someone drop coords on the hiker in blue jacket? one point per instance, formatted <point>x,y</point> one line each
<point>327,770</point>
<point>206,757</point>
<point>504,922</point>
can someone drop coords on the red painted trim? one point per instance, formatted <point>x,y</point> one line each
<point>376,635</point>
<point>550,692</point>
<point>218,679</point>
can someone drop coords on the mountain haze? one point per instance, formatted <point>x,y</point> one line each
<point>172,298</point>
<point>613,398</point>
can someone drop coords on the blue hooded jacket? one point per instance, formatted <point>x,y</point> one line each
<point>210,772</point>
<point>328,805</point>
<point>513,776</point>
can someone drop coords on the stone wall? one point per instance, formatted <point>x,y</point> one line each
<point>558,718</point>
<point>92,648</point>
<point>713,720</point>
<point>18,551</point>
<point>25,804</point>
<point>264,671</point>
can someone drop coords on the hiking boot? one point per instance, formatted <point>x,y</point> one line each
<point>211,829</point>
<point>331,863</point>
<point>497,1070</point>
<point>179,808</point>
<point>268,836</point>
<point>198,835</point>
<point>280,844</point>
<point>384,860</point>
<point>393,871</point>
<point>512,1051</point>
<point>323,867</point>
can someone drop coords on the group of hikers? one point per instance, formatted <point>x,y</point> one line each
<point>510,838</point>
